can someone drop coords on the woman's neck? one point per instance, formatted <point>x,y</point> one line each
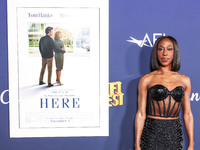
<point>165,70</point>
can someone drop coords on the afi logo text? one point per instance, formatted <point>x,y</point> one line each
<point>146,40</point>
<point>115,94</point>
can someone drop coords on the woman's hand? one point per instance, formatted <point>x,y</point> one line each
<point>138,148</point>
<point>190,148</point>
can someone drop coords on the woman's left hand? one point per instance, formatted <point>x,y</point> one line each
<point>190,148</point>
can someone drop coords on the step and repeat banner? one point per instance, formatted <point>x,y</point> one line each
<point>89,112</point>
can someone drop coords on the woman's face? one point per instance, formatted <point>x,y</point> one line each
<point>60,36</point>
<point>165,52</point>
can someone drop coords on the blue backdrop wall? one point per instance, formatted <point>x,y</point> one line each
<point>133,27</point>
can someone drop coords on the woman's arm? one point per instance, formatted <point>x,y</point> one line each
<point>141,113</point>
<point>187,114</point>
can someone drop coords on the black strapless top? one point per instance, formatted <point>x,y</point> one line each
<point>164,103</point>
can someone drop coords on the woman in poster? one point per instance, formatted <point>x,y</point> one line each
<point>59,56</point>
<point>161,94</point>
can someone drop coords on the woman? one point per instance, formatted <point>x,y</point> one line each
<point>161,94</point>
<point>59,56</point>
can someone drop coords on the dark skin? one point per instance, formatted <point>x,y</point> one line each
<point>169,79</point>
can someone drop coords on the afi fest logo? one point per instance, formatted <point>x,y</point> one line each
<point>146,40</point>
<point>115,94</point>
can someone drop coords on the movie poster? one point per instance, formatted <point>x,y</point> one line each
<point>74,107</point>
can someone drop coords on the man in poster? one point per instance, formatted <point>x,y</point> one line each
<point>46,47</point>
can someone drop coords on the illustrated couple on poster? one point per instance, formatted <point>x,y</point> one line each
<point>47,46</point>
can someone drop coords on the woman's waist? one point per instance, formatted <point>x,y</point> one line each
<point>161,117</point>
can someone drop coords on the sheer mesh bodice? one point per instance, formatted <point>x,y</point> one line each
<point>164,103</point>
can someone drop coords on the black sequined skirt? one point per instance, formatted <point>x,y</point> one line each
<point>162,135</point>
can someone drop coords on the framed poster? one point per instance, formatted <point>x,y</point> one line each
<point>78,107</point>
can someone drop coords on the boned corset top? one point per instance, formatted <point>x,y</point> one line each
<point>164,103</point>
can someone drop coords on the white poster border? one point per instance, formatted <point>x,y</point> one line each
<point>15,131</point>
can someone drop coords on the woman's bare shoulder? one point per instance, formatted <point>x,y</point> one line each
<point>145,79</point>
<point>182,76</point>
<point>185,79</point>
